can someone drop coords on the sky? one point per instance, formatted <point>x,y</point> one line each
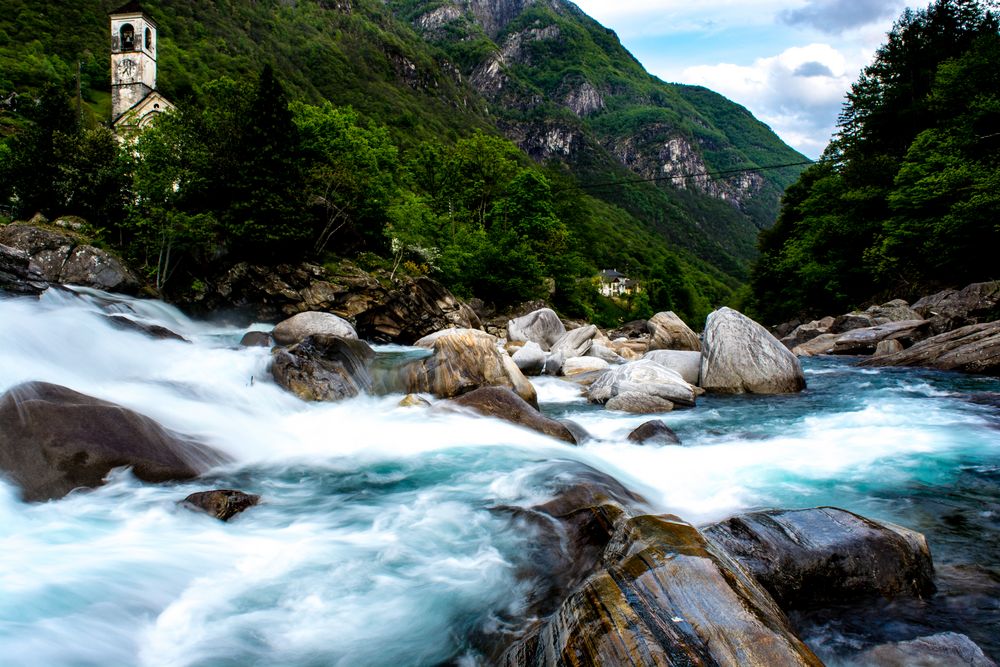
<point>790,62</point>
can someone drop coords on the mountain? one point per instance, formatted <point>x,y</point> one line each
<point>541,72</point>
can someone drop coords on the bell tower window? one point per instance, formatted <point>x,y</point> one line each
<point>149,39</point>
<point>127,34</point>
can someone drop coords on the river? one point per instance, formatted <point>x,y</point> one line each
<point>378,543</point>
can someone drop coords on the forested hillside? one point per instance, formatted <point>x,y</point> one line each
<point>393,134</point>
<point>906,199</point>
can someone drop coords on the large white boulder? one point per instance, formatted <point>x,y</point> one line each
<point>542,326</point>
<point>669,332</point>
<point>642,377</point>
<point>685,362</point>
<point>740,356</point>
<point>299,327</point>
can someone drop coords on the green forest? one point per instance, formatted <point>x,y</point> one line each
<point>906,199</point>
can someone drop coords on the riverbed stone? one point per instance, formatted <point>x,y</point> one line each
<point>669,332</point>
<point>739,355</point>
<point>642,377</point>
<point>17,275</point>
<point>575,342</point>
<point>637,403</point>
<point>223,504</point>
<point>822,344</point>
<point>542,326</point>
<point>54,439</point>
<point>865,340</point>
<point>503,403</point>
<point>945,649</point>
<point>577,365</point>
<point>530,358</point>
<point>256,339</point>
<point>324,368</point>
<point>301,326</point>
<point>952,309</point>
<point>654,432</point>
<point>887,347</point>
<point>685,362</point>
<point>825,555</point>
<point>971,349</point>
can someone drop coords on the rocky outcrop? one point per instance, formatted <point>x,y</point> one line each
<point>223,504</point>
<point>576,342</point>
<point>896,310</point>
<point>542,326</point>
<point>654,432</point>
<point>17,275</point>
<point>60,257</point>
<point>416,309</point>
<point>643,378</point>
<point>822,344</point>
<point>324,368</point>
<point>952,309</point>
<point>461,360</point>
<point>669,332</point>
<point>502,403</point>
<point>299,327</point>
<point>54,440</point>
<point>971,349</point>
<point>851,321</point>
<point>666,596</point>
<point>813,557</point>
<point>685,362</point>
<point>866,340</point>
<point>739,355</point>
<point>804,333</point>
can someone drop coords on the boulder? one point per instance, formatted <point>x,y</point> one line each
<point>685,362</point>
<point>577,365</point>
<point>324,368</point>
<point>666,596</point>
<point>530,358</point>
<point>17,275</point>
<point>851,321</point>
<point>503,403</point>
<point>256,339</point>
<point>418,308</point>
<point>971,349</point>
<point>223,504</point>
<point>864,341</point>
<point>580,434</point>
<point>814,557</point>
<point>461,360</point>
<point>887,347</point>
<point>642,377</point>
<point>822,344</point>
<point>952,309</point>
<point>605,353</point>
<point>631,330</point>
<point>669,332</point>
<point>654,432</point>
<point>301,326</point>
<point>63,258</point>
<point>54,440</point>
<point>739,355</point>
<point>946,649</point>
<point>637,403</point>
<point>152,330</point>
<point>542,326</point>
<point>896,310</point>
<point>414,401</point>
<point>630,350</point>
<point>806,332</point>
<point>576,342</point>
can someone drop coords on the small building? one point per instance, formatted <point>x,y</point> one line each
<point>617,284</point>
<point>135,100</point>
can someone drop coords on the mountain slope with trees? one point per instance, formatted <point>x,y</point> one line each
<point>906,199</point>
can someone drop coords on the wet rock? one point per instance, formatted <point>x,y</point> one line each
<point>17,275</point>
<point>530,358</point>
<point>971,349</point>
<point>461,361</point>
<point>503,403</point>
<point>637,403</point>
<point>417,309</point>
<point>542,326</point>
<point>414,401</point>
<point>866,340</point>
<point>685,362</point>
<point>54,440</point>
<point>223,504</point>
<point>324,368</point>
<point>669,332</point>
<point>642,377</point>
<point>739,355</point>
<point>152,330</point>
<point>812,557</point>
<point>301,326</point>
<point>93,267</point>
<point>654,432</point>
<point>946,649</point>
<point>952,309</point>
<point>822,344</point>
<point>580,434</point>
<point>887,347</point>
<point>665,597</point>
<point>256,339</point>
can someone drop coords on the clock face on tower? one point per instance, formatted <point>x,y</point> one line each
<point>127,68</point>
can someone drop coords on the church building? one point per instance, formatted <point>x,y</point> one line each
<point>134,98</point>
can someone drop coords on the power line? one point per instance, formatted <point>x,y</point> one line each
<point>708,175</point>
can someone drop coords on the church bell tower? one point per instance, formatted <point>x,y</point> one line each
<point>133,62</point>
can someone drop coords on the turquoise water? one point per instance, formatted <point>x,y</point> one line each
<point>379,543</point>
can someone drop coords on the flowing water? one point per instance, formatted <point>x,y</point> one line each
<point>378,542</point>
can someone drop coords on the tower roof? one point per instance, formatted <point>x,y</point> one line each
<point>133,7</point>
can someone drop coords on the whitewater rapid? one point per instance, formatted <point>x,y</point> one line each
<point>377,542</point>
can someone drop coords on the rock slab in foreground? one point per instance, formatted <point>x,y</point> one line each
<point>54,440</point>
<point>740,356</point>
<point>223,504</point>
<point>971,349</point>
<point>807,558</point>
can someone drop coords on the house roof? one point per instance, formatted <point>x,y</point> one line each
<point>133,7</point>
<point>611,274</point>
